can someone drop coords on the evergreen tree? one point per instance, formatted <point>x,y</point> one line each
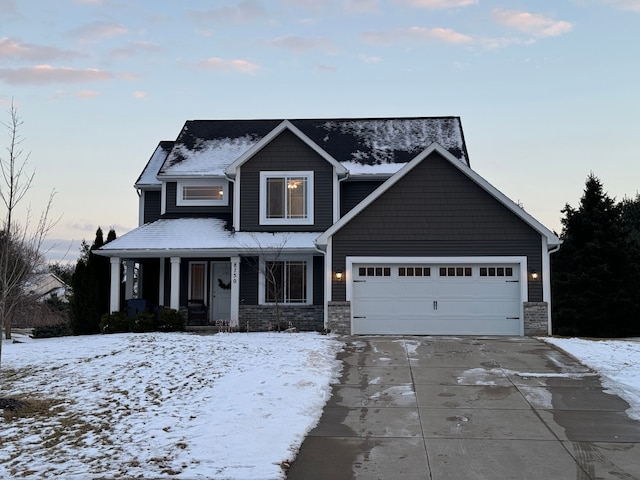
<point>594,285</point>
<point>90,282</point>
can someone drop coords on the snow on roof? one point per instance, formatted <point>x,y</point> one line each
<point>197,234</point>
<point>364,146</point>
<point>150,172</point>
<point>207,157</point>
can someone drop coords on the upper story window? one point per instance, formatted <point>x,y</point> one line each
<point>202,193</point>
<point>286,198</point>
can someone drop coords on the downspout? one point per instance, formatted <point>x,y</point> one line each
<point>549,252</point>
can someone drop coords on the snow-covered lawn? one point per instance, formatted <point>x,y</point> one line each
<point>164,405</point>
<point>617,361</point>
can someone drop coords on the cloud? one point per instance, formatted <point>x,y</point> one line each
<point>46,74</point>
<point>139,95</point>
<point>86,94</point>
<point>531,23</point>
<point>370,59</point>
<point>136,48</point>
<point>302,44</point>
<point>437,4</point>
<point>416,34</point>
<point>97,30</point>
<point>221,65</point>
<point>632,5</point>
<point>14,50</point>
<point>319,67</point>
<point>244,12</point>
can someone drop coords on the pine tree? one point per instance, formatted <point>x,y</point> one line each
<point>593,279</point>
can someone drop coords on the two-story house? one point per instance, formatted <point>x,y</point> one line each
<point>362,226</point>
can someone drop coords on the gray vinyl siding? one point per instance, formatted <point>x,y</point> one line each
<point>173,210</point>
<point>353,192</point>
<point>152,205</point>
<point>451,216</point>
<point>248,281</point>
<point>285,153</point>
<point>318,280</point>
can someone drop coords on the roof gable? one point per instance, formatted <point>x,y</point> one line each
<point>552,239</point>
<point>149,176</point>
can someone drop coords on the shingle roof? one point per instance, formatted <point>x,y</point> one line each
<point>374,145</point>
<point>148,177</point>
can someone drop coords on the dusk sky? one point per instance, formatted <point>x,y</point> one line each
<point>547,90</point>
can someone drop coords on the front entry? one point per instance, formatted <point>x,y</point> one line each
<point>220,292</point>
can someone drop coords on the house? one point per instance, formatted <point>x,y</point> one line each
<point>361,226</point>
<point>45,286</point>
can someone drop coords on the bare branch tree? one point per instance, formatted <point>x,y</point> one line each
<point>20,242</point>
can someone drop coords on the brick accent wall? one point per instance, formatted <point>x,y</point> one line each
<point>339,318</point>
<point>262,317</point>
<point>536,319</point>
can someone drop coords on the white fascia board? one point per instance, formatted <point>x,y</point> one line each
<point>434,147</point>
<point>194,252</point>
<point>286,124</point>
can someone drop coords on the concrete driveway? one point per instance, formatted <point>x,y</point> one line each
<point>495,408</point>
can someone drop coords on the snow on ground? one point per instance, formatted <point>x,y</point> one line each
<point>164,405</point>
<point>617,361</point>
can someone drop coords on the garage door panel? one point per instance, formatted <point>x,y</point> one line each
<point>459,300</point>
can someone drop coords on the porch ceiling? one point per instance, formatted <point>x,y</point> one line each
<point>191,237</point>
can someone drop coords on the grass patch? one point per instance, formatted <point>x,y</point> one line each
<point>22,407</point>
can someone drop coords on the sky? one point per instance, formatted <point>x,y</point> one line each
<point>547,90</point>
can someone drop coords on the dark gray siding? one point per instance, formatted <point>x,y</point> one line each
<point>173,210</point>
<point>286,152</point>
<point>249,281</point>
<point>318,280</point>
<point>436,210</point>
<point>152,205</point>
<point>353,192</point>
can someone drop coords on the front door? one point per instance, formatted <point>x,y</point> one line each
<point>220,304</point>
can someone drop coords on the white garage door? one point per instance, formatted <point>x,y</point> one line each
<point>436,299</point>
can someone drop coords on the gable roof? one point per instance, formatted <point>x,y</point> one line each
<point>149,176</point>
<point>552,238</point>
<point>362,146</point>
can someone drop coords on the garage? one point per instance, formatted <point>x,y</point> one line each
<point>437,297</point>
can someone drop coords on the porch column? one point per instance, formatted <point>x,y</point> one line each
<point>235,290</point>
<point>114,295</point>
<point>175,283</point>
<point>128,285</point>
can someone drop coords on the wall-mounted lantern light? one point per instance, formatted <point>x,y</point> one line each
<point>339,276</point>
<point>534,275</point>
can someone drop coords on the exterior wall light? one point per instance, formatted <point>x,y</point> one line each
<point>339,276</point>
<point>534,275</point>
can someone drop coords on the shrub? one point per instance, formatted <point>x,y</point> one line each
<point>143,322</point>
<point>170,320</point>
<point>115,322</point>
<point>48,331</point>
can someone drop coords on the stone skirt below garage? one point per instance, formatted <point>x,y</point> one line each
<point>535,318</point>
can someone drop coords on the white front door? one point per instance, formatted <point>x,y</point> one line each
<point>220,304</point>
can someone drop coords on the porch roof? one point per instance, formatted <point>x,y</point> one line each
<point>194,237</point>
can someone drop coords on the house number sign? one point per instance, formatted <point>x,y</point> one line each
<point>234,272</point>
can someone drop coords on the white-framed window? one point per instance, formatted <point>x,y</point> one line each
<point>286,281</point>
<point>197,280</point>
<point>286,198</point>
<point>210,192</point>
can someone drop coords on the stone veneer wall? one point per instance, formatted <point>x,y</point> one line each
<point>536,320</point>
<point>339,318</point>
<point>261,318</point>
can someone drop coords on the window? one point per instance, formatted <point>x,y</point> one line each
<point>414,271</point>
<point>456,271</point>
<point>374,272</point>
<point>202,193</point>
<point>286,281</point>
<point>286,198</point>
<point>197,280</point>
<point>496,272</point>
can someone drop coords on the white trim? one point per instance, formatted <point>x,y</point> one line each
<point>223,184</point>
<point>141,201</point>
<point>284,125</point>
<point>114,294</point>
<point>174,301</point>
<point>235,290</point>
<point>236,203</point>
<point>163,199</point>
<point>286,258</point>
<point>520,260</point>
<point>434,147</point>
<point>310,196</point>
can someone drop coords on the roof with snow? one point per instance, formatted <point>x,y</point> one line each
<point>363,146</point>
<point>194,236</point>
<point>148,177</point>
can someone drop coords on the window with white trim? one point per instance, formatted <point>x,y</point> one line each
<point>202,193</point>
<point>285,282</point>
<point>286,198</point>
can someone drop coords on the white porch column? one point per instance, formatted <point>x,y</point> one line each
<point>175,283</point>
<point>114,295</point>
<point>161,283</point>
<point>235,290</point>
<point>128,285</point>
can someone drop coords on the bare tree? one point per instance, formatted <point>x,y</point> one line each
<point>20,242</point>
<point>267,261</point>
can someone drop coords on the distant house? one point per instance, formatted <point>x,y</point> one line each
<point>45,286</point>
<point>361,226</point>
